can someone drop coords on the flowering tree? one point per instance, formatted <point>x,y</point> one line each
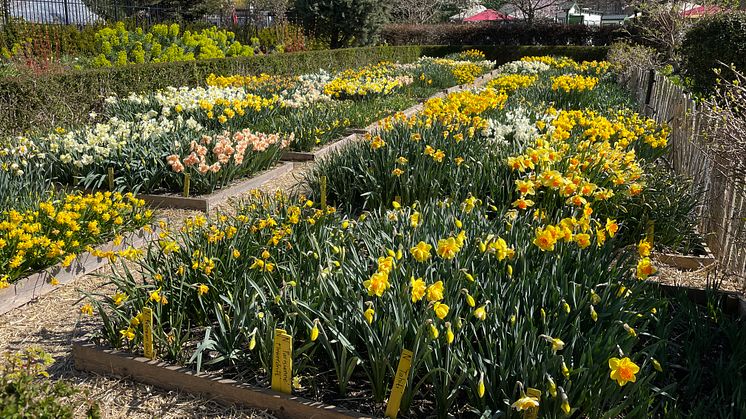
<point>529,9</point>
<point>425,11</point>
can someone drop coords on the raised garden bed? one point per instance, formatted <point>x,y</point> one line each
<point>687,262</point>
<point>91,358</point>
<point>34,286</point>
<point>354,132</point>
<point>206,202</point>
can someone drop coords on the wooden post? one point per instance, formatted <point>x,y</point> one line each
<point>649,90</point>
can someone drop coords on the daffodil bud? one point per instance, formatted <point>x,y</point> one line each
<point>565,406</point>
<point>656,365</point>
<point>480,386</point>
<point>630,330</point>
<point>565,371</point>
<point>594,315</point>
<point>434,333</point>
<point>552,386</point>
<point>315,330</point>
<point>449,333</point>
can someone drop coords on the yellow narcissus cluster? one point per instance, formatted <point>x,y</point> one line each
<point>264,82</point>
<point>381,78</point>
<point>460,109</point>
<point>62,228</point>
<point>471,54</point>
<point>564,63</point>
<point>573,83</point>
<point>509,83</point>
<point>585,157</point>
<point>225,109</point>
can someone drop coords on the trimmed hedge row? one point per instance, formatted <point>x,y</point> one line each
<point>41,103</point>
<point>489,33</point>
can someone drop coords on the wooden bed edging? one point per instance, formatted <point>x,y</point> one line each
<point>35,285</point>
<point>89,357</point>
<point>687,262</point>
<point>207,202</point>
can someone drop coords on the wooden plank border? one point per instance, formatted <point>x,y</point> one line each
<point>207,202</point>
<point>91,358</point>
<point>35,285</point>
<point>687,262</point>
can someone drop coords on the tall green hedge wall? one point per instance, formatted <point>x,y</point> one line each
<point>41,103</point>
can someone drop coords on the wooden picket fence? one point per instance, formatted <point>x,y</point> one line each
<point>722,210</point>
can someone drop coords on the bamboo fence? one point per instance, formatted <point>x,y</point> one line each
<point>722,209</point>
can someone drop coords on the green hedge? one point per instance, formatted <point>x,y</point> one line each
<point>40,103</point>
<point>714,39</point>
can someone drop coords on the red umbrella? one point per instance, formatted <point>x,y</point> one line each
<point>488,14</point>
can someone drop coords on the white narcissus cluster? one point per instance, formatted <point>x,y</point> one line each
<point>95,143</point>
<point>518,124</point>
<point>524,67</point>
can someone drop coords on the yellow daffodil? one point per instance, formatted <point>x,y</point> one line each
<point>623,370</point>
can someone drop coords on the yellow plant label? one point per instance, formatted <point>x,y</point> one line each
<point>147,332</point>
<point>323,193</point>
<point>282,362</point>
<point>187,184</point>
<point>400,383</point>
<point>111,178</point>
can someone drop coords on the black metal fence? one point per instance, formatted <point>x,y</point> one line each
<point>95,12</point>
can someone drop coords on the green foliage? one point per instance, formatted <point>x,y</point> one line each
<point>345,22</point>
<point>314,270</point>
<point>117,46</point>
<point>705,351</point>
<point>714,40</point>
<point>26,391</point>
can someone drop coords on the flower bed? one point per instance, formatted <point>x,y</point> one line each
<point>195,141</point>
<point>494,235</point>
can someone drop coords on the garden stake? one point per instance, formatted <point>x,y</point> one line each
<point>147,332</point>
<point>187,178</point>
<point>111,178</point>
<point>282,362</point>
<point>400,383</point>
<point>323,194</point>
